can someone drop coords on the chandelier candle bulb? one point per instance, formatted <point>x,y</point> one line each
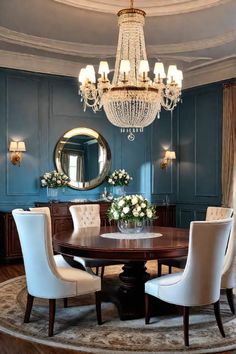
<point>103,70</point>
<point>82,75</point>
<point>90,73</point>
<point>143,69</point>
<point>172,73</point>
<point>159,71</point>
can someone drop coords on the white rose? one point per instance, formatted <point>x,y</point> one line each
<point>143,205</point>
<point>121,203</point>
<point>125,210</point>
<point>134,200</point>
<point>109,180</point>
<point>116,215</point>
<point>142,214</point>
<point>135,213</point>
<point>120,175</point>
<point>149,213</point>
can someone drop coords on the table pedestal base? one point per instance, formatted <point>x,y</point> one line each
<point>129,296</point>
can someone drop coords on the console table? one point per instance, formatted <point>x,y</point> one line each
<point>10,250</point>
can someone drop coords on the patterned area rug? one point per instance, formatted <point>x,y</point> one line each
<point>76,327</point>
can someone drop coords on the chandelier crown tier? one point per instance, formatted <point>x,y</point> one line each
<point>132,100</point>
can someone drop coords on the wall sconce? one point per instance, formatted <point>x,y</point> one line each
<point>169,155</point>
<point>16,148</point>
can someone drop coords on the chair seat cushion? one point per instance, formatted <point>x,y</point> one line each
<point>85,282</point>
<point>152,287</point>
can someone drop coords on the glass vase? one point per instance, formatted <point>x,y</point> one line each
<point>118,191</point>
<point>52,193</point>
<point>130,226</point>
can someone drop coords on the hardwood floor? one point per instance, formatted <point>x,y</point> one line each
<point>12,345</point>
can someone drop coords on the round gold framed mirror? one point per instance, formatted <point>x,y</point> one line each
<point>84,156</point>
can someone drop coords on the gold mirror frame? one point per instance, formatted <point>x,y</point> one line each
<point>105,151</point>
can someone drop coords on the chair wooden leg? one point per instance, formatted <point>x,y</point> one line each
<point>30,300</point>
<point>218,317</point>
<point>186,325</point>
<point>230,298</point>
<point>147,309</point>
<point>52,309</point>
<point>97,270</point>
<point>65,300</point>
<point>102,271</point>
<point>170,269</point>
<point>159,268</point>
<point>98,307</point>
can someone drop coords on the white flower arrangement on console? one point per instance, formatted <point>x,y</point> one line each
<point>119,178</point>
<point>54,179</point>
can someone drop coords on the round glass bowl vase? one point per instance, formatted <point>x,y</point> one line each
<point>130,226</point>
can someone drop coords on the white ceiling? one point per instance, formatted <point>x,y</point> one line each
<point>58,36</point>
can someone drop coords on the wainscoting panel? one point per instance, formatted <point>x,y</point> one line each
<point>163,138</point>
<point>22,114</point>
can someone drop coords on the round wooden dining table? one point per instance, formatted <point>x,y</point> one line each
<point>132,250</point>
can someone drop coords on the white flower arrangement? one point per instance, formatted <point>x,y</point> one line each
<point>54,179</point>
<point>119,178</point>
<point>131,207</point>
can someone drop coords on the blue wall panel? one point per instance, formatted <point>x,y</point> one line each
<point>199,152</point>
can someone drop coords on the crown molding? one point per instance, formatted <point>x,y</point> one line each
<point>213,71</point>
<point>216,70</point>
<point>94,51</point>
<point>151,7</point>
<point>39,64</point>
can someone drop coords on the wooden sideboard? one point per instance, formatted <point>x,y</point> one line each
<point>10,250</point>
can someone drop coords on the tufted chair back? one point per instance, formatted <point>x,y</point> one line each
<point>218,213</point>
<point>85,215</point>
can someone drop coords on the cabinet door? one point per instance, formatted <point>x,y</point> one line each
<point>62,224</point>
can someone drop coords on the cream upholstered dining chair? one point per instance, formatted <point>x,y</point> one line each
<point>199,283</point>
<point>213,213</point>
<point>227,278</point>
<point>45,276</point>
<point>85,216</point>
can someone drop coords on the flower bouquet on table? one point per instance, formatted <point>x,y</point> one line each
<point>130,212</point>
<point>119,179</point>
<point>54,180</point>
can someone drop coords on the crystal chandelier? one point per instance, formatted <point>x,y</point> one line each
<point>132,100</point>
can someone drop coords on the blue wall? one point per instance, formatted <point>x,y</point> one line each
<point>40,108</point>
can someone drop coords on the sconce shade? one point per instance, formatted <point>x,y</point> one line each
<point>13,146</point>
<point>170,155</point>
<point>16,148</point>
<point>21,146</point>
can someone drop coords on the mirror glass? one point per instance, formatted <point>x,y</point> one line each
<point>84,156</point>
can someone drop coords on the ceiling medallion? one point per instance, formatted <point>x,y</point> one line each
<point>132,100</point>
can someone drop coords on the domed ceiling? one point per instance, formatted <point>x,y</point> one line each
<point>59,36</point>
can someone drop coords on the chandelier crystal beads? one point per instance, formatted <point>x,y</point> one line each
<point>132,100</point>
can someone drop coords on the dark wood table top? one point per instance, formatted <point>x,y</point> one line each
<point>89,243</point>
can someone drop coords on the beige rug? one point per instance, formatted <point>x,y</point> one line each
<point>76,327</point>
